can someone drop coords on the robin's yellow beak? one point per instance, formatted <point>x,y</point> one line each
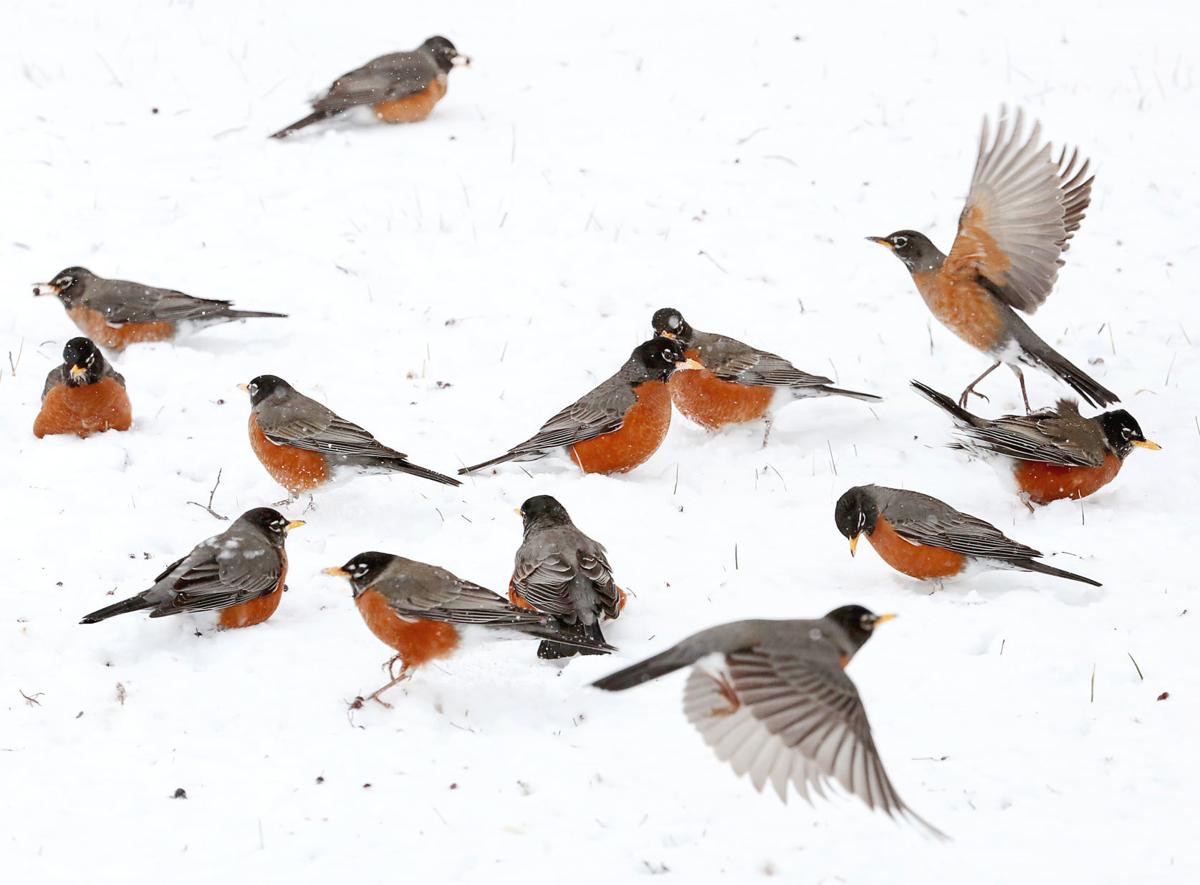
<point>882,619</point>
<point>78,371</point>
<point>854,544</point>
<point>337,571</point>
<point>1147,444</point>
<point>461,61</point>
<point>667,333</point>
<point>244,388</point>
<point>45,289</point>
<point>519,512</point>
<point>883,241</point>
<point>294,524</point>
<point>688,364</point>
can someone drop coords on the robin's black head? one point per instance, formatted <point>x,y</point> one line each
<point>1122,433</point>
<point>914,249</point>
<point>670,323</point>
<point>264,387</point>
<point>83,362</point>
<point>363,570</point>
<point>543,510</point>
<point>858,622</point>
<point>656,359</point>
<point>69,285</point>
<point>271,523</point>
<point>444,53</point>
<point>856,512</point>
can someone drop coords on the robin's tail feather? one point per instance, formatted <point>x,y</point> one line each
<point>1033,565</point>
<point>314,117</point>
<point>417,470</point>
<point>125,606</point>
<point>660,665</point>
<point>574,639</point>
<point>507,456</point>
<point>944,402</point>
<point>1038,353</point>
<point>853,394</point>
<point>232,314</point>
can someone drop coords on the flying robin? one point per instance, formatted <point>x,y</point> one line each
<point>425,613</point>
<point>614,427</point>
<point>738,383</point>
<point>401,87</point>
<point>84,395</point>
<point>928,539</point>
<point>1022,210</point>
<point>1052,453</point>
<point>561,571</point>
<point>117,313</point>
<point>772,698</point>
<point>301,442</point>
<point>239,572</point>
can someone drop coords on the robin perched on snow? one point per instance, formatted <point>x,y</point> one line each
<point>301,442</point>
<point>619,424</point>
<point>239,572</point>
<point>84,395</point>
<point>1052,453</point>
<point>928,539</point>
<point>738,383</point>
<point>1022,210</point>
<point>117,313</point>
<point>772,698</point>
<point>401,87</point>
<point>425,613</point>
<point>561,571</point>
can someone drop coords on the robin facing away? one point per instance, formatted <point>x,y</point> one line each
<point>301,442</point>
<point>928,539</point>
<point>738,383</point>
<point>1022,210</point>
<point>619,424</point>
<point>1052,453</point>
<point>561,571</point>
<point>425,613</point>
<point>117,313</point>
<point>401,87</point>
<point>239,572</point>
<point>84,395</point>
<point>777,704</point>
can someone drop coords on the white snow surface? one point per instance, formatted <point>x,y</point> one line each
<point>452,284</point>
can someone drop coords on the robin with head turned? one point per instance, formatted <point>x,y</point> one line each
<point>1022,210</point>
<point>616,426</point>
<point>1049,454</point>
<point>301,442</point>
<point>84,395</point>
<point>562,572</point>
<point>239,573</point>
<point>401,87</point>
<point>927,539</point>
<point>425,613</point>
<point>772,698</point>
<point>738,383</point>
<point>117,313</point>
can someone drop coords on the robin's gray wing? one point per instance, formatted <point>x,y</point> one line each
<point>793,717</point>
<point>226,570</point>
<point>545,580</point>
<point>306,424</point>
<point>731,360</point>
<point>1023,208</point>
<point>386,78</point>
<point>122,301</point>
<point>417,591</point>
<point>924,520</point>
<point>55,377</point>
<point>599,412</point>
<point>1052,437</point>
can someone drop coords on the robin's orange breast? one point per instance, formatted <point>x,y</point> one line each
<point>256,610</point>
<point>84,410</point>
<point>964,307</point>
<point>713,403</point>
<point>295,469</point>
<point>96,327</point>
<point>411,108</point>
<point>914,560</point>
<point>645,428</point>
<point>1044,483</point>
<point>417,642</point>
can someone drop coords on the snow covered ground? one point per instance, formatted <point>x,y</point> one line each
<point>451,285</point>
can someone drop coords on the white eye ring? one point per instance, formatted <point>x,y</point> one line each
<point>900,242</point>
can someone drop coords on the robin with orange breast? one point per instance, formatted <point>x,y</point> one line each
<point>927,539</point>
<point>425,613</point>
<point>117,313</point>
<point>1050,454</point>
<point>738,383</point>
<point>402,87</point>
<point>84,395</point>
<point>301,443</point>
<point>1022,210</point>
<point>239,573</point>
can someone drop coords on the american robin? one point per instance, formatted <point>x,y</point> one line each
<point>401,87</point>
<point>116,313</point>
<point>561,571</point>
<point>301,442</point>
<point>425,613</point>
<point>1022,210</point>
<point>614,427</point>
<point>239,572</point>
<point>1052,453</point>
<point>738,383</point>
<point>928,539</point>
<point>84,395</point>
<point>777,703</point>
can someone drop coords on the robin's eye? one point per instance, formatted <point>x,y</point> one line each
<point>1126,432</point>
<point>899,242</point>
<point>65,282</point>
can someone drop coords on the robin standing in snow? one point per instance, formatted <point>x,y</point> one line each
<point>84,395</point>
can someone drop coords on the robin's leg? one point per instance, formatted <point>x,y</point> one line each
<point>1024,496</point>
<point>1021,381</point>
<point>400,677</point>
<point>962,400</point>
<point>767,431</point>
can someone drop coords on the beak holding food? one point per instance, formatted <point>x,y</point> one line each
<point>45,289</point>
<point>461,61</point>
<point>78,372</point>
